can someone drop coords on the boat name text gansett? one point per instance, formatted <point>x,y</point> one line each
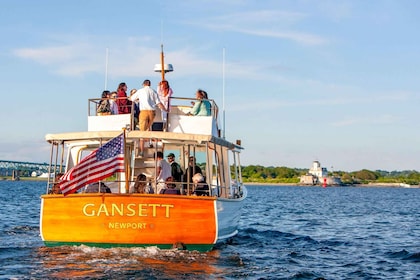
<point>129,210</point>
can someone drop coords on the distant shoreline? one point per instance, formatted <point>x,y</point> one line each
<point>372,185</point>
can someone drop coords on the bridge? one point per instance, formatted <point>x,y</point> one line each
<point>21,168</point>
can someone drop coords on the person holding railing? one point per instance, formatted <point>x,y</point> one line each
<point>148,101</point>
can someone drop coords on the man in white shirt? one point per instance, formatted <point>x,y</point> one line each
<point>148,100</point>
<point>163,171</point>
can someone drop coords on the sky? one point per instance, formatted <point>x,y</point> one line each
<point>298,81</point>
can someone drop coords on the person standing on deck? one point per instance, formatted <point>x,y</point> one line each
<point>113,103</point>
<point>192,169</point>
<point>136,112</point>
<point>176,169</point>
<point>163,171</point>
<point>148,101</point>
<point>124,104</point>
<point>165,92</point>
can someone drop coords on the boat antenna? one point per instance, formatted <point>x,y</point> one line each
<point>162,57</point>
<point>106,69</point>
<point>162,68</point>
<point>223,95</point>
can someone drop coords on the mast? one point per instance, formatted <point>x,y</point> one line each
<point>162,67</point>
<point>162,62</point>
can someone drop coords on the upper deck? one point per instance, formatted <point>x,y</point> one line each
<point>178,119</point>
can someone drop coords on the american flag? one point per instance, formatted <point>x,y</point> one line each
<point>98,165</point>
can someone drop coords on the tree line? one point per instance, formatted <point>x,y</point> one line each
<point>261,174</point>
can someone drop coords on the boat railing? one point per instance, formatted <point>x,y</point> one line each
<point>183,105</point>
<point>95,102</point>
<point>179,119</point>
<point>150,186</point>
<point>140,187</point>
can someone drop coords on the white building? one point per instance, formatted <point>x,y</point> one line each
<point>317,170</point>
<point>318,175</point>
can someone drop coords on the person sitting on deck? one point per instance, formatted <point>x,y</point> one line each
<point>104,107</point>
<point>55,189</point>
<point>202,107</point>
<point>170,187</point>
<point>200,186</point>
<point>95,187</point>
<point>140,186</point>
<point>56,186</point>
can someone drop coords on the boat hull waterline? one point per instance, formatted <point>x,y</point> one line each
<point>115,220</point>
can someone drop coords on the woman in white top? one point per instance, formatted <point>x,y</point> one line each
<point>165,92</point>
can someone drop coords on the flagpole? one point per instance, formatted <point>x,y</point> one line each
<point>106,69</point>
<point>127,187</point>
<point>223,93</point>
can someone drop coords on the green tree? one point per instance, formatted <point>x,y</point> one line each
<point>365,175</point>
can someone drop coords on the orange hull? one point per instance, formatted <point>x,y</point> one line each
<point>128,220</point>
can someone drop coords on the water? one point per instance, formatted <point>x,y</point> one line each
<point>285,233</point>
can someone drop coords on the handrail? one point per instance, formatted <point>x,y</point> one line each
<point>178,106</point>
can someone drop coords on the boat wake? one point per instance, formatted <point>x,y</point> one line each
<point>83,261</point>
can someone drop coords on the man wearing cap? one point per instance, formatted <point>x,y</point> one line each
<point>175,168</point>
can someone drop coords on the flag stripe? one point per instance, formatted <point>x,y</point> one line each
<point>99,164</point>
<point>97,173</point>
<point>91,176</point>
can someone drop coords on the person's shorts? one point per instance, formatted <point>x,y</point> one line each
<point>146,119</point>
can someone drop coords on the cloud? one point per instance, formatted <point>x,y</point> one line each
<point>262,23</point>
<point>128,58</point>
<point>384,119</point>
<point>68,59</point>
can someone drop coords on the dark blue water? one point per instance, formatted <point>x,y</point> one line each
<point>285,233</point>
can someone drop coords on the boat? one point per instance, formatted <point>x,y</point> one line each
<point>123,218</point>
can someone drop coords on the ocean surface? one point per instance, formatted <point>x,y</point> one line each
<point>285,233</point>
